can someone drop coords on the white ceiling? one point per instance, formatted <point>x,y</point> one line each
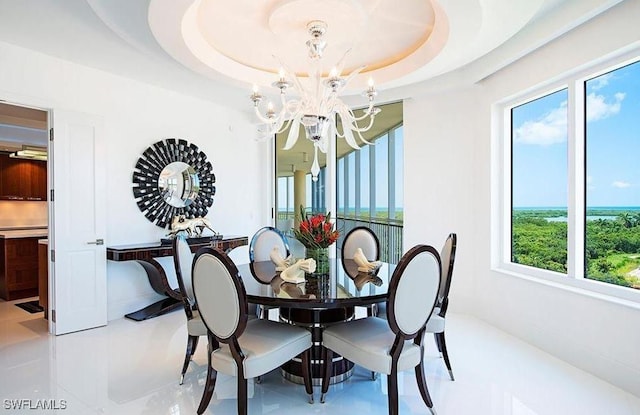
<point>407,44</point>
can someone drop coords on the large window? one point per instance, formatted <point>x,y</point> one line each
<point>539,183</point>
<point>370,183</point>
<point>575,178</point>
<point>612,230</point>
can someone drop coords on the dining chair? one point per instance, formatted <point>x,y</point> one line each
<point>263,242</point>
<point>260,248</point>
<point>239,346</point>
<point>364,238</point>
<point>182,261</point>
<point>360,237</point>
<point>396,344</point>
<point>436,323</point>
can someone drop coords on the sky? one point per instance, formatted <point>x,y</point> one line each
<point>612,144</point>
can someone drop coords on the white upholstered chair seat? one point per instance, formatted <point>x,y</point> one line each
<point>195,326</point>
<point>266,344</point>
<point>368,342</point>
<point>435,324</point>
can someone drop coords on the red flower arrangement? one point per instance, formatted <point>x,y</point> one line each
<point>316,231</point>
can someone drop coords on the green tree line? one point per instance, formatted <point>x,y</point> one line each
<point>612,246</point>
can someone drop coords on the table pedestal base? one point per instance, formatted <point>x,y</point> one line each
<point>316,320</point>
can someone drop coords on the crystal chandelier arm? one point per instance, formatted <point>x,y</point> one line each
<point>366,114</point>
<point>269,120</point>
<point>346,127</point>
<point>293,133</point>
<point>356,127</point>
<point>340,64</point>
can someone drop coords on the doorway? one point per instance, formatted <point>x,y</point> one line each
<point>24,219</point>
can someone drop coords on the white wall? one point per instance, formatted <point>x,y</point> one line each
<point>448,169</point>
<point>135,116</point>
<point>440,146</point>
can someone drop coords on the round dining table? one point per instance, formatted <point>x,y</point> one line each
<point>319,301</point>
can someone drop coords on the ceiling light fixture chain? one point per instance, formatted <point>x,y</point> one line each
<point>317,104</point>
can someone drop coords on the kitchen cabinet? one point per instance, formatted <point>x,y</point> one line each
<point>18,267</point>
<point>43,276</point>
<point>22,179</point>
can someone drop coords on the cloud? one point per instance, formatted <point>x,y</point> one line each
<point>620,184</point>
<point>550,129</point>
<point>598,108</point>
<point>600,82</point>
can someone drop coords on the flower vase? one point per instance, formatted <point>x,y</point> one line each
<point>321,256</point>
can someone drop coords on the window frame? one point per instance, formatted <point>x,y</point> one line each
<point>501,215</point>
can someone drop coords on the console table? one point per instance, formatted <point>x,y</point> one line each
<point>145,254</point>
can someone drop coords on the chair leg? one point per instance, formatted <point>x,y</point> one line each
<point>422,386</point>
<point>306,374</point>
<point>328,366</point>
<point>209,386</point>
<point>392,392</point>
<point>445,355</point>
<point>192,343</point>
<point>242,396</point>
<point>438,345</point>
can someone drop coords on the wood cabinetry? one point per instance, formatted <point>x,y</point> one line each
<point>18,268</point>
<point>22,179</point>
<point>43,276</point>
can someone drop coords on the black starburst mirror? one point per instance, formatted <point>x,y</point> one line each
<point>173,177</point>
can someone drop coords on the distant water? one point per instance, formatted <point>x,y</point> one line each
<point>564,218</point>
<point>617,208</point>
<point>603,209</point>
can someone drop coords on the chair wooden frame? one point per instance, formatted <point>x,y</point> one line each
<point>192,341</point>
<point>233,342</point>
<point>400,336</point>
<point>443,295</point>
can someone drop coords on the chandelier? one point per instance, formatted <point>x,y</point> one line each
<point>316,103</point>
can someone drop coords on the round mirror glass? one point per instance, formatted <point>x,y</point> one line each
<point>179,184</point>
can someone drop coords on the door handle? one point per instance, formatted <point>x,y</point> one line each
<point>97,242</point>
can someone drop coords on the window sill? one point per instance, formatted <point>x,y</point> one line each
<point>626,297</point>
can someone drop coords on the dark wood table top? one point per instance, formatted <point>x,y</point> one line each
<point>341,288</point>
<point>147,250</point>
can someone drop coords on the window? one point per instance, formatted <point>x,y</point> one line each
<point>539,183</point>
<point>574,183</point>
<point>612,229</point>
<point>369,183</point>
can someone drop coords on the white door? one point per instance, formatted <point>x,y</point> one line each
<point>77,272</point>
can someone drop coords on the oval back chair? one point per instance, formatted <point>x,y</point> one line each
<point>263,242</point>
<point>396,344</point>
<point>239,346</point>
<point>182,261</point>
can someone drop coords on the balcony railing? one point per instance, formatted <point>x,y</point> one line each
<point>388,231</point>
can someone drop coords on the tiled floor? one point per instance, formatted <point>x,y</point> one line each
<point>133,368</point>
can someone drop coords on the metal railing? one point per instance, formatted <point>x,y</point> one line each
<point>388,231</point>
